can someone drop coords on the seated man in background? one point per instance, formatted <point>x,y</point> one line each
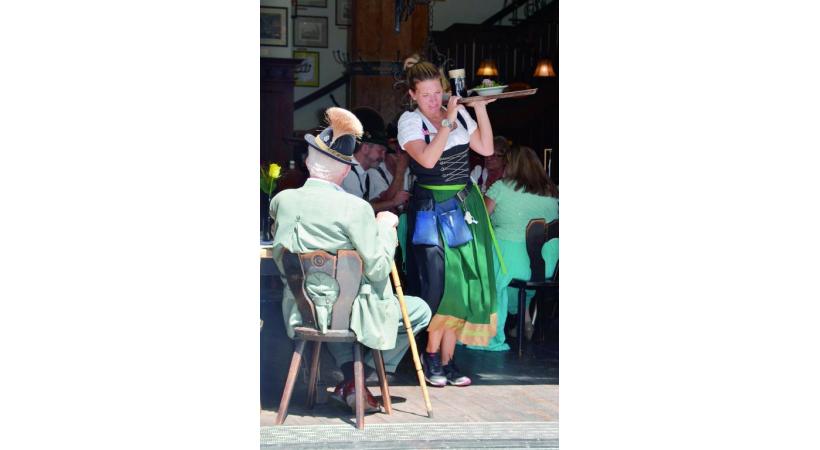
<point>365,178</point>
<point>493,169</point>
<point>388,180</point>
<point>322,216</point>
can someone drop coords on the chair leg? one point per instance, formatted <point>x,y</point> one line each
<point>314,370</point>
<point>377,358</point>
<point>294,370</point>
<point>554,315</point>
<point>358,377</point>
<point>540,319</point>
<point>522,303</point>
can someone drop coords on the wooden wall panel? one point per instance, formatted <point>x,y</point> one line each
<point>532,121</point>
<point>276,108</point>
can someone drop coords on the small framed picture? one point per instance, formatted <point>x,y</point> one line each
<point>310,31</point>
<point>274,26</point>
<point>312,3</point>
<point>307,72</point>
<point>343,13</point>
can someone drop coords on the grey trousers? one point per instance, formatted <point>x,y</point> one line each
<point>419,314</point>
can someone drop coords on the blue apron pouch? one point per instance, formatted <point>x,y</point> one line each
<point>453,226</point>
<point>426,231</point>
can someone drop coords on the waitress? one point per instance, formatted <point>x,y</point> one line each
<point>450,261</point>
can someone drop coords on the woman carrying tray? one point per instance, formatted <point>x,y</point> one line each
<point>450,261</point>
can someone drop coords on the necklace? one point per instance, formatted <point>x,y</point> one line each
<point>436,121</point>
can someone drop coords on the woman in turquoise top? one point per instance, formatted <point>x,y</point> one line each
<point>525,193</point>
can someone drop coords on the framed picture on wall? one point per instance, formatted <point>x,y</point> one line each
<point>273,27</point>
<point>310,31</point>
<point>312,3</point>
<point>343,13</point>
<point>307,72</point>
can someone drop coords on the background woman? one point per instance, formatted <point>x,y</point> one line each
<point>523,194</point>
<point>491,168</point>
<point>456,280</point>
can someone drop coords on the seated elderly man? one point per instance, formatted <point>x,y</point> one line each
<point>322,216</point>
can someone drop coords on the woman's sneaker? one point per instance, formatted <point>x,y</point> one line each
<point>433,372</point>
<point>455,377</point>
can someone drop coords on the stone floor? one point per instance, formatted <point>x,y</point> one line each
<point>506,389</point>
<point>475,435</point>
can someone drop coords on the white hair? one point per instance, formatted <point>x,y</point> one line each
<point>324,167</point>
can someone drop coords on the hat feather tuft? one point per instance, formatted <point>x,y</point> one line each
<point>343,122</point>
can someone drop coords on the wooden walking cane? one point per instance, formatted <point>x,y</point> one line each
<point>412,338</point>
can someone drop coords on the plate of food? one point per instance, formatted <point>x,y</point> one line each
<point>489,87</point>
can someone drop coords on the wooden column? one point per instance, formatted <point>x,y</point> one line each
<point>373,38</point>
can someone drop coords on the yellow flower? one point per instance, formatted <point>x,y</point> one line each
<point>274,170</point>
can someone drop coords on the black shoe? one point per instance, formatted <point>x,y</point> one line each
<point>455,377</point>
<point>433,372</point>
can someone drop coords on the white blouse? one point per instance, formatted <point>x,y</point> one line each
<point>410,128</point>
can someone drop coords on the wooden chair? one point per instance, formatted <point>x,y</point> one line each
<point>538,232</point>
<point>346,268</point>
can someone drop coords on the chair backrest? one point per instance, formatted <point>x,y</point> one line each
<point>539,232</point>
<point>345,267</point>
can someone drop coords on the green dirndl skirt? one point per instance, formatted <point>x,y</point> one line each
<point>401,231</point>
<point>468,303</point>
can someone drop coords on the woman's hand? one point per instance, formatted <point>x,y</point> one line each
<point>480,104</point>
<point>452,108</point>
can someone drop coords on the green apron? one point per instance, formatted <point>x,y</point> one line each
<point>468,303</point>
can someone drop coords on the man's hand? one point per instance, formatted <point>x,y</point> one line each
<point>388,218</point>
<point>400,198</point>
<point>397,162</point>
